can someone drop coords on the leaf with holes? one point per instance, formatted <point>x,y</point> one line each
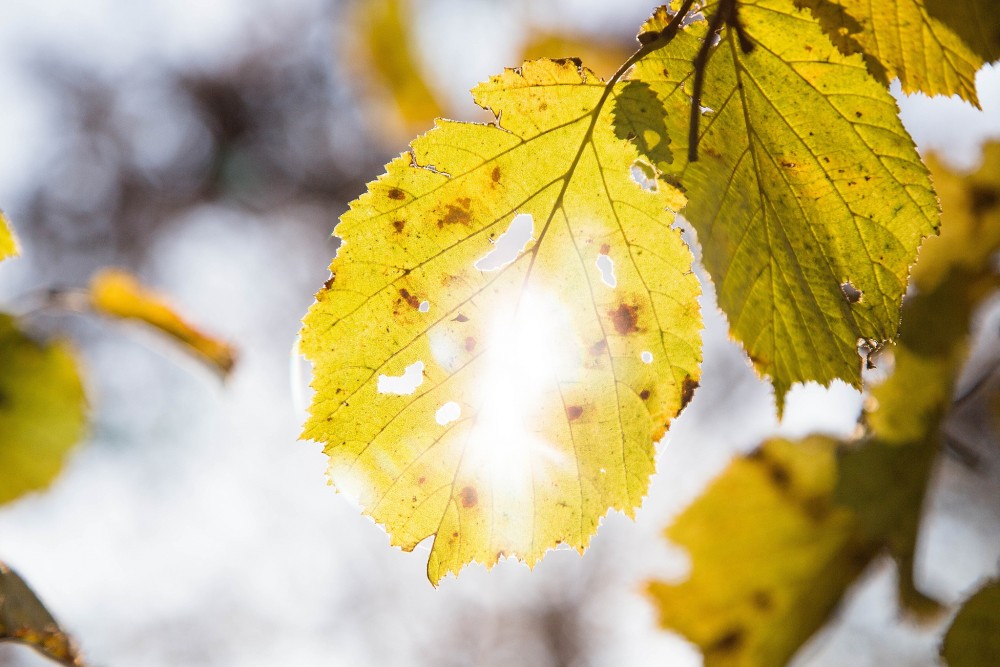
<point>503,397</point>
<point>900,39</point>
<point>42,409</point>
<point>8,244</point>
<point>808,196</point>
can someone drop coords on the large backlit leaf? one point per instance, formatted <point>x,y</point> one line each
<point>771,556</point>
<point>973,640</point>
<point>540,387</point>
<point>806,181</point>
<point>24,619</point>
<point>8,244</point>
<point>900,39</point>
<point>41,410</point>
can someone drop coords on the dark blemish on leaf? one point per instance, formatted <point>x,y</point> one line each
<point>857,114</point>
<point>868,178</point>
<point>605,248</point>
<point>329,281</point>
<point>455,534</point>
<point>496,174</point>
<point>729,642</point>
<point>826,159</point>
<point>983,199</point>
<point>421,480</point>
<point>598,348</point>
<point>574,412</point>
<point>788,165</point>
<point>457,215</point>
<point>644,394</point>
<point>851,293</point>
<point>762,600</point>
<point>816,509</point>
<point>687,390</point>
<point>779,475</point>
<point>397,194</point>
<point>543,106</point>
<point>625,318</point>
<point>409,298</point>
<point>399,225</point>
<point>460,318</point>
<point>470,344</point>
<point>469,497</point>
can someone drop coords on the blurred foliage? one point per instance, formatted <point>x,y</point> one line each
<point>118,294</point>
<point>779,537</point>
<point>973,640</point>
<point>42,410</point>
<point>8,244</point>
<point>24,619</point>
<point>975,21</point>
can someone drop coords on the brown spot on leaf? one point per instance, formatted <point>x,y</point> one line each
<point>421,480</point>
<point>409,298</point>
<point>543,106</point>
<point>729,642</point>
<point>687,390</point>
<point>599,348</point>
<point>457,213</point>
<point>469,496</point>
<point>779,475</point>
<point>605,248</point>
<point>983,199</point>
<point>496,174</point>
<point>397,194</point>
<point>399,225</point>
<point>574,412</point>
<point>762,600</point>
<point>625,318</point>
<point>644,394</point>
<point>470,344</point>
<point>460,318</point>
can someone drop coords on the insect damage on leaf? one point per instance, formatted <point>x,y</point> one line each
<point>42,410</point>
<point>559,405</point>
<point>806,177</point>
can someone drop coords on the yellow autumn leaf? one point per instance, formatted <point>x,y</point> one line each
<point>118,294</point>
<point>973,640</point>
<point>42,410</point>
<point>539,381</point>
<point>24,619</point>
<point>771,556</point>
<point>8,243</point>
<point>900,39</point>
<point>808,196</point>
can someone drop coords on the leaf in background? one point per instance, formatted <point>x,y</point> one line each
<point>24,619</point>
<point>385,53</point>
<point>899,39</point>
<point>42,410</point>
<point>806,182</point>
<point>8,244</point>
<point>118,294</point>
<point>601,54</point>
<point>543,378</point>
<point>973,640</point>
<point>771,556</point>
<point>975,21</point>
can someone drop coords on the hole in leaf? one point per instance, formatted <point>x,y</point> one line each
<point>851,293</point>
<point>404,384</point>
<point>644,175</point>
<point>607,268</point>
<point>448,413</point>
<point>647,357</point>
<point>425,306</point>
<point>510,244</point>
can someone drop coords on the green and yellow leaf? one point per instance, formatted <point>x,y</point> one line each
<point>42,410</point>
<point>900,39</point>
<point>541,386</point>
<point>771,556</point>
<point>806,182</point>
<point>973,640</point>
<point>975,21</point>
<point>118,294</point>
<point>24,619</point>
<point>8,243</point>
